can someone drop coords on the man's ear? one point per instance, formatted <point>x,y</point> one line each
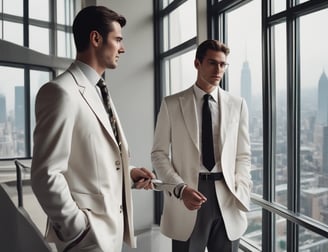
<point>196,63</point>
<point>95,38</point>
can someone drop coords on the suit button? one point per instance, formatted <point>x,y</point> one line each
<point>118,168</point>
<point>117,162</point>
<point>121,209</point>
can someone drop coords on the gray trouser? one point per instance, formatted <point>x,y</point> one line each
<point>209,230</point>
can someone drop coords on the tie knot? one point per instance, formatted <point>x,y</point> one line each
<point>101,83</point>
<point>207,97</point>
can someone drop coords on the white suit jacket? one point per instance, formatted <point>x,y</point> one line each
<point>77,166</point>
<point>176,159</point>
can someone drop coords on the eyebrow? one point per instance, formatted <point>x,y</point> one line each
<point>215,61</point>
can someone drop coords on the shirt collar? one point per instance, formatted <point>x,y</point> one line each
<point>199,93</point>
<point>89,72</point>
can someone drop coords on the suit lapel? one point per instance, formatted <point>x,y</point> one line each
<point>225,110</point>
<point>188,108</point>
<point>92,98</point>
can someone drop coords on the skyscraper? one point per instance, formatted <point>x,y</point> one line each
<point>246,85</point>
<point>322,116</point>
<point>19,108</point>
<point>3,113</point>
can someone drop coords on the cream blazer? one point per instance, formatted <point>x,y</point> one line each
<point>77,166</point>
<point>176,159</point>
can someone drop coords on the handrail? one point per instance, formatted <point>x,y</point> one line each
<point>297,218</point>
<point>19,183</point>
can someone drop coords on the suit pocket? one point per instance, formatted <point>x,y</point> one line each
<point>86,242</point>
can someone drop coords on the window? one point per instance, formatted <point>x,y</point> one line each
<point>244,78</point>
<point>180,25</point>
<point>175,43</point>
<point>49,31</point>
<point>14,112</point>
<point>288,110</point>
<point>314,116</point>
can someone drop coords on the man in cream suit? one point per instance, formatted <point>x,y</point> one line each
<point>207,206</point>
<point>80,166</point>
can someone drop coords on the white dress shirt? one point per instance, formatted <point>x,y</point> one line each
<point>214,106</point>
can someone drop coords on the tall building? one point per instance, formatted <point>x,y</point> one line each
<point>322,116</point>
<point>3,113</point>
<point>19,108</point>
<point>246,85</point>
<point>325,151</point>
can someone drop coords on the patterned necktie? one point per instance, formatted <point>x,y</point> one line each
<point>105,95</point>
<point>207,135</point>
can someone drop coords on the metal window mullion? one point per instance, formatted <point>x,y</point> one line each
<point>25,23</point>
<point>292,131</point>
<point>158,88</point>
<point>53,27</point>
<point>268,225</point>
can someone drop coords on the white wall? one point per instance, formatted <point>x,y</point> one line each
<point>132,88</point>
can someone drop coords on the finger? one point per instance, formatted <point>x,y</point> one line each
<point>201,196</point>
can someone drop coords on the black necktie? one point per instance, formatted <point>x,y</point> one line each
<point>105,95</point>
<point>207,135</point>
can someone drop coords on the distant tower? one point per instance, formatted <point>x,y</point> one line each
<point>322,117</point>
<point>19,108</point>
<point>246,85</point>
<point>3,113</point>
<point>325,151</point>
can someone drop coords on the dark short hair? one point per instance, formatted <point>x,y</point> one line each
<point>94,18</point>
<point>211,44</point>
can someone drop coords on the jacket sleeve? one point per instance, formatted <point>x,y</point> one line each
<point>160,154</point>
<point>55,115</point>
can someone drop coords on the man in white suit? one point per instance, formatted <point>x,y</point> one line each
<point>80,166</point>
<point>207,206</point>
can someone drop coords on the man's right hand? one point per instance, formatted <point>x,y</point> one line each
<point>192,199</point>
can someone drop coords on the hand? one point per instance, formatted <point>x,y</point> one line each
<point>142,178</point>
<point>192,199</point>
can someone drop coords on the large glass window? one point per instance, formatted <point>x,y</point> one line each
<point>175,43</point>
<point>12,125</point>
<point>49,31</point>
<point>314,116</point>
<point>13,110</point>
<point>13,32</point>
<point>180,25</point>
<point>292,153</point>
<point>280,88</point>
<point>245,79</point>
<point>180,72</point>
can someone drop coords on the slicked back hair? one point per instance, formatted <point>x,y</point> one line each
<point>94,18</point>
<point>211,44</point>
